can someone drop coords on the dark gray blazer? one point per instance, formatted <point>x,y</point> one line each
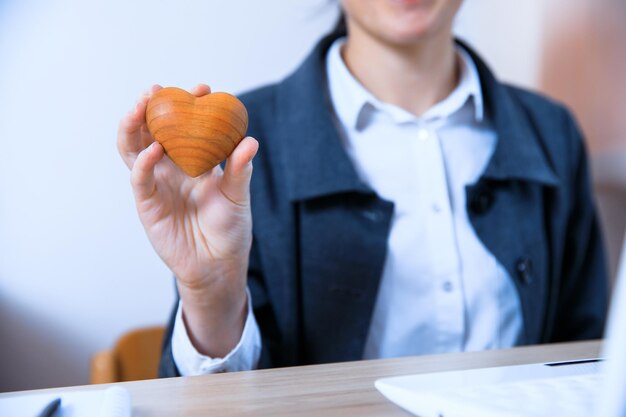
<point>320,234</point>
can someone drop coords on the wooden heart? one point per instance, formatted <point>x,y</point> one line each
<point>197,133</point>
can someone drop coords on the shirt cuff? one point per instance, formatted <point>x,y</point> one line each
<point>243,357</point>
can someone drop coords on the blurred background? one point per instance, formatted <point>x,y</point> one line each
<point>75,268</point>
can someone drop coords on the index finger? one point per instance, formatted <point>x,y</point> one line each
<point>132,132</point>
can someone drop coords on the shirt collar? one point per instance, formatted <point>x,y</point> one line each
<point>317,159</point>
<point>353,102</point>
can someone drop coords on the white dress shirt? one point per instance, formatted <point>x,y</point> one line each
<point>441,289</point>
<point>243,357</point>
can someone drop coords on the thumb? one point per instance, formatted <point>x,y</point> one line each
<point>235,184</point>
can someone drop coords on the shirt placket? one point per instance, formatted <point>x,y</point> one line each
<point>440,239</point>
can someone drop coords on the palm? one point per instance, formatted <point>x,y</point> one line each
<point>191,222</point>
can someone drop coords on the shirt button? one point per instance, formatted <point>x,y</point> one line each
<point>436,208</point>
<point>423,134</point>
<point>524,268</point>
<point>447,286</point>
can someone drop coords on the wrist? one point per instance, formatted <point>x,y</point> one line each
<point>214,323</point>
<point>222,281</point>
<point>216,297</point>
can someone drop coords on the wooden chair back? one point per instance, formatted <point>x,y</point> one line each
<point>135,356</point>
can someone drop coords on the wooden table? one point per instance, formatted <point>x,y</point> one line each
<point>343,389</point>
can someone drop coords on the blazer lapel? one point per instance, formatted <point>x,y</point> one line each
<point>342,224</point>
<point>507,205</point>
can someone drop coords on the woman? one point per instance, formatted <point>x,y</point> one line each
<point>404,202</point>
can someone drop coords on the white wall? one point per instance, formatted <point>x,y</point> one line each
<point>75,267</point>
<point>507,34</point>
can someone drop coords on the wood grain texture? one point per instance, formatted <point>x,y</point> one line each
<point>341,389</point>
<point>197,133</point>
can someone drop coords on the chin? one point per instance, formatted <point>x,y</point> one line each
<point>403,21</point>
<point>415,23</point>
<point>409,34</point>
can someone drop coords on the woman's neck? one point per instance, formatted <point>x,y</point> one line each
<point>413,77</point>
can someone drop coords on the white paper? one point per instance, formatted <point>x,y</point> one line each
<point>110,402</point>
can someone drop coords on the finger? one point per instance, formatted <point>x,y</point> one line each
<point>235,184</point>
<point>142,174</point>
<point>201,90</point>
<point>154,89</point>
<point>146,137</point>
<point>131,135</point>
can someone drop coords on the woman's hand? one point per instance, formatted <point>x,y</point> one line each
<point>201,227</point>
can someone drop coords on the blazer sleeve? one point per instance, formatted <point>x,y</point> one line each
<point>583,294</point>
<point>167,366</point>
